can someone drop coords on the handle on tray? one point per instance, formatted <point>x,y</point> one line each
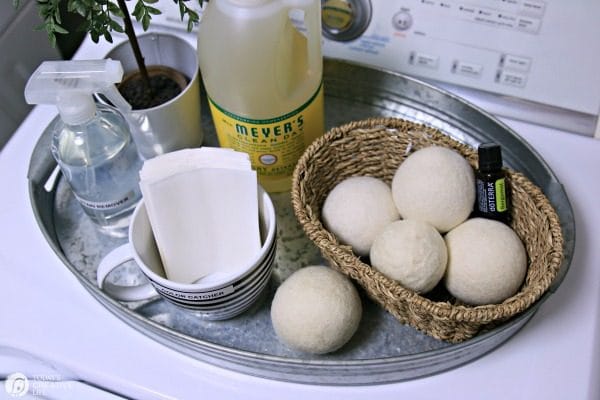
<point>115,258</point>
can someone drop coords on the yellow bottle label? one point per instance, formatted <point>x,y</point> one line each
<point>274,145</point>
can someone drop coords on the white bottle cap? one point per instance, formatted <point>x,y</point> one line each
<point>76,108</point>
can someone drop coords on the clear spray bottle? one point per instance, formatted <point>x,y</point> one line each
<point>91,142</point>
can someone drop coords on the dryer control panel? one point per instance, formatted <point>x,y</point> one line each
<point>546,52</point>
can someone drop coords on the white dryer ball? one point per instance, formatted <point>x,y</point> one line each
<point>316,310</point>
<point>437,185</point>
<point>412,253</point>
<point>357,209</point>
<point>487,262</point>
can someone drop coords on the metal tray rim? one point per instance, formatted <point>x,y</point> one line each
<point>167,335</point>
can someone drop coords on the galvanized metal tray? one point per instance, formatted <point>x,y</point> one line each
<point>383,350</point>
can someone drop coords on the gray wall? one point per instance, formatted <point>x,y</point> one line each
<point>22,49</point>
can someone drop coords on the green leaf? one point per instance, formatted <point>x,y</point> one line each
<point>57,15</point>
<point>79,8</point>
<point>138,11</point>
<point>100,17</point>
<point>60,29</point>
<point>154,11</point>
<point>114,9</point>
<point>181,9</point>
<point>146,22</point>
<point>52,39</point>
<point>115,26</point>
<point>193,15</point>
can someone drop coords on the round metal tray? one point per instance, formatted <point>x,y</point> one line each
<point>382,350</point>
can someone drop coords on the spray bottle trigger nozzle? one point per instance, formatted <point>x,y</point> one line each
<point>117,100</point>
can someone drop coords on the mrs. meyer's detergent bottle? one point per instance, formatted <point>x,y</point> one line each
<point>262,68</point>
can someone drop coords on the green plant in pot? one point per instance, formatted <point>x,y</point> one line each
<point>150,87</point>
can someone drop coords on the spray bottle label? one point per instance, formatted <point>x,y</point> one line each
<point>274,145</point>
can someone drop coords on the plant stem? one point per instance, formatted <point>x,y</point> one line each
<point>130,32</point>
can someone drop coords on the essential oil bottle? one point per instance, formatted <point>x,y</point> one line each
<point>493,190</point>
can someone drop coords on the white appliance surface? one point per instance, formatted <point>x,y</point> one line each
<point>52,330</point>
<point>543,52</point>
<point>534,60</point>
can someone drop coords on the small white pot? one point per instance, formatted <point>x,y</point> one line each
<point>175,124</point>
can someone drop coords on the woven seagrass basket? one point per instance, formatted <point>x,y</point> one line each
<point>376,147</point>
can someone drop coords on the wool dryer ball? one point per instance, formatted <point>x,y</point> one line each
<point>316,310</point>
<point>487,262</point>
<point>357,209</point>
<point>412,253</point>
<point>437,185</point>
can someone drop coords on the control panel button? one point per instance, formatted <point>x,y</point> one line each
<point>518,63</point>
<point>466,9</point>
<point>402,20</point>
<point>467,68</point>
<point>506,20</point>
<point>511,78</point>
<point>423,60</point>
<point>532,7</point>
<point>526,24</point>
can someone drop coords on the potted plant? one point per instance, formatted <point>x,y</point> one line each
<point>151,90</point>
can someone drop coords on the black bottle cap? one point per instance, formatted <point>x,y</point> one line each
<point>490,157</point>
